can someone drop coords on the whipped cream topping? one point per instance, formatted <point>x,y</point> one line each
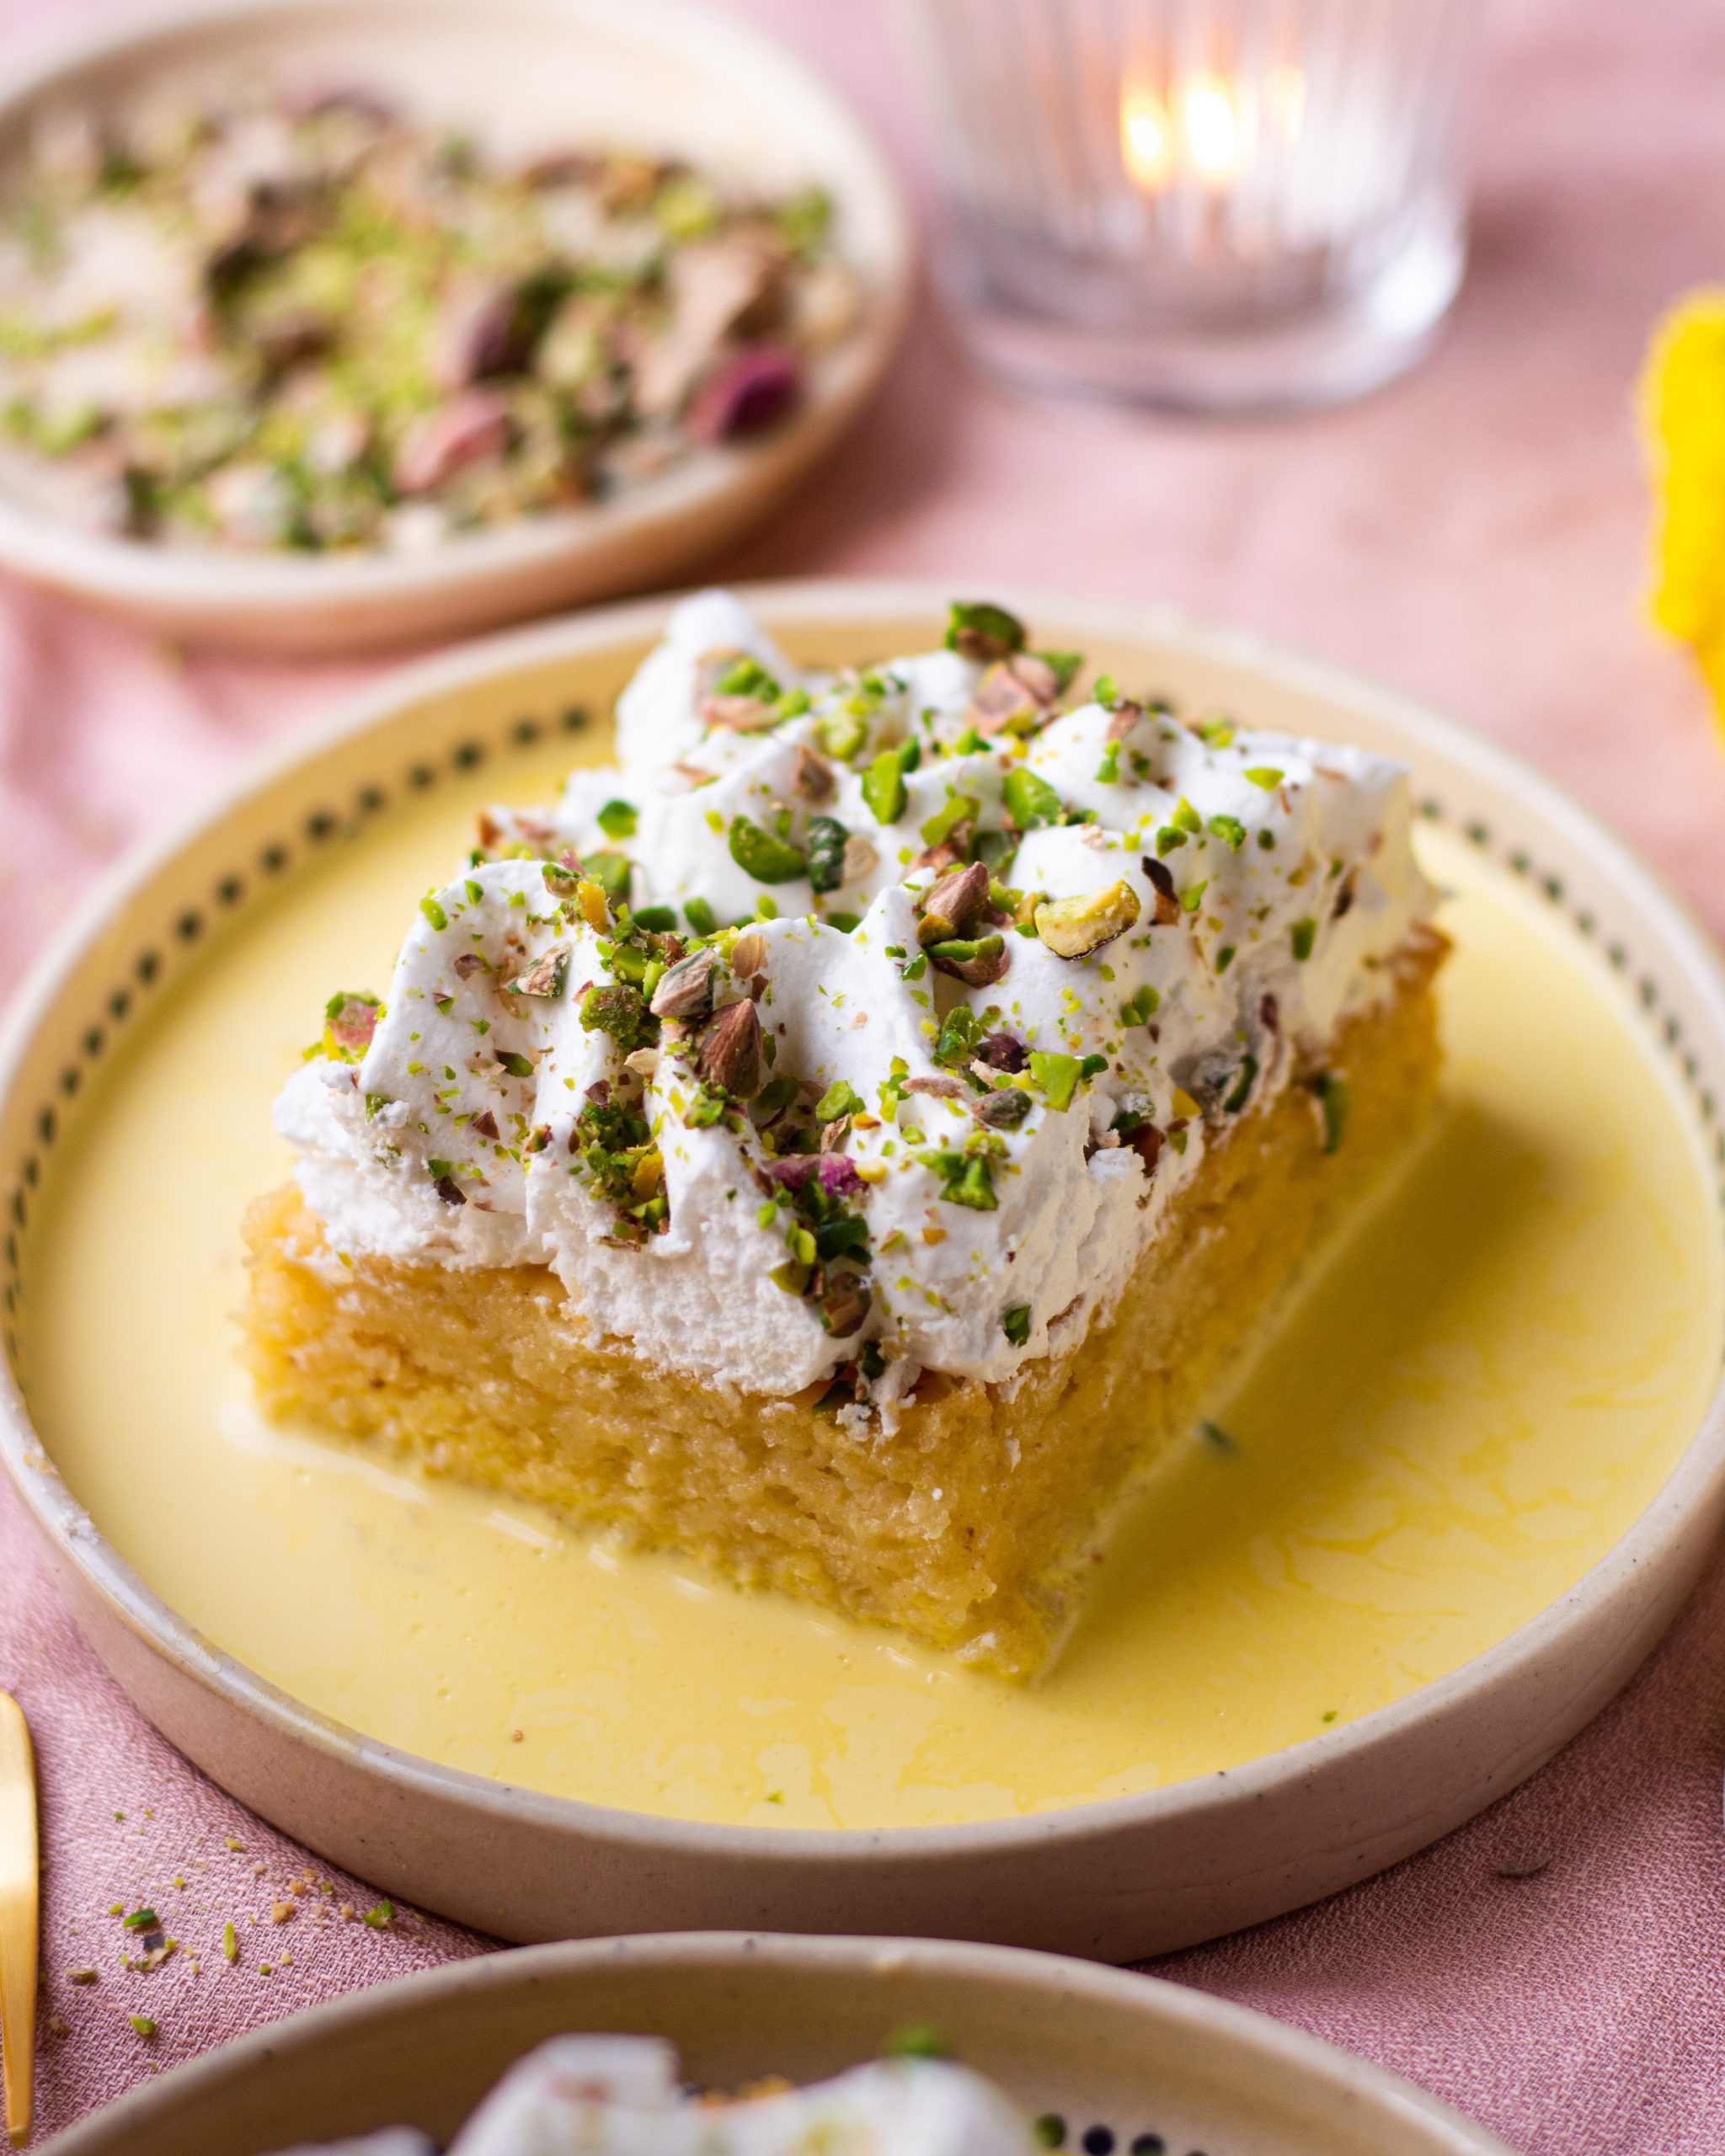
<point>740,1038</point>
<point>622,2096</point>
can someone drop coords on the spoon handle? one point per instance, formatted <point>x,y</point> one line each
<point>19,1890</point>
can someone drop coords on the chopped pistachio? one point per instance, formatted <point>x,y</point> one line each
<point>918,2040</point>
<point>841,734</point>
<point>883,786</point>
<point>976,629</point>
<point>1329,1088</point>
<point>730,1051</point>
<point>837,1101</point>
<point>1030,801</point>
<point>827,844</point>
<point>1059,1076</point>
<point>759,854</point>
<point>544,979</point>
<point>1073,927</point>
<point>611,871</point>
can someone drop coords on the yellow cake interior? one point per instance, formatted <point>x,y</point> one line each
<point>971,1525</point>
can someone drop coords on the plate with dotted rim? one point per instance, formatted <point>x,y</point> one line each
<point>1107,2064</point>
<point>671,76</point>
<point>1116,1878</point>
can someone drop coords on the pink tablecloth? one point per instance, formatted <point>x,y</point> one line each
<point>1474,535</point>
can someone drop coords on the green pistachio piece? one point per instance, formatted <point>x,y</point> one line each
<point>883,786</point>
<point>1071,928</point>
<point>619,1010</point>
<point>837,1101</point>
<point>957,808</point>
<point>759,854</point>
<point>841,734</point>
<point>976,629</point>
<point>827,852</point>
<point>611,872</point>
<point>1330,1089</point>
<point>1030,800</point>
<point>1057,1074</point>
<point>544,979</point>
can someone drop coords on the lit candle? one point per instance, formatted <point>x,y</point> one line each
<point>1214,135</point>
<point>1146,140</point>
<point>1221,204</point>
<point>1209,136</point>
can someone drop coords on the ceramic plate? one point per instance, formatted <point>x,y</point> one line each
<point>1461,1494</point>
<point>668,75</point>
<point>1121,2063</point>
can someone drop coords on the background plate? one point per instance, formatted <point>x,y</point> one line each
<point>667,75</point>
<point>1148,2064</point>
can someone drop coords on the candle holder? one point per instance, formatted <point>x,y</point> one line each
<point>1220,205</point>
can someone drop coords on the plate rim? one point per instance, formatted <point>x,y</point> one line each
<point>1697,1476</point>
<point>1291,2051</point>
<point>222,588</point>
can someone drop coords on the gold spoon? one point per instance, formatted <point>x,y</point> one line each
<point>19,1877</point>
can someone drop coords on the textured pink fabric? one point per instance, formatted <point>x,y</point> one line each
<point>1473,535</point>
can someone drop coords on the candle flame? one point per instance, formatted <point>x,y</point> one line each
<point>1201,129</point>
<point>1211,126</point>
<point>1146,140</point>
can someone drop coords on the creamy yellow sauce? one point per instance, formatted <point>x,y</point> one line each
<point>1481,1391</point>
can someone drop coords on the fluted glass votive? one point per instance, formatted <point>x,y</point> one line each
<point>1215,204</point>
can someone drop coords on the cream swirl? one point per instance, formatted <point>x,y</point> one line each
<point>622,2096</point>
<point>926,1143</point>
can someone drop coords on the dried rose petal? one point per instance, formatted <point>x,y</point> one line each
<point>471,426</point>
<point>353,1020</point>
<point>494,335</point>
<point>793,1173</point>
<point>1003,1051</point>
<point>839,1177</point>
<point>745,394</point>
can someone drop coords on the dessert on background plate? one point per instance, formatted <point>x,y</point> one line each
<point>614,2095</point>
<point>846,1140</point>
<point>308,323</point>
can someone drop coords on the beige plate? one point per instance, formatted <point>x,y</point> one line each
<point>1117,1878</point>
<point>667,75</point>
<point>1148,2060</point>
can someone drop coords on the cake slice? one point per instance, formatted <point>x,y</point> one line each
<point>846,1140</point>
